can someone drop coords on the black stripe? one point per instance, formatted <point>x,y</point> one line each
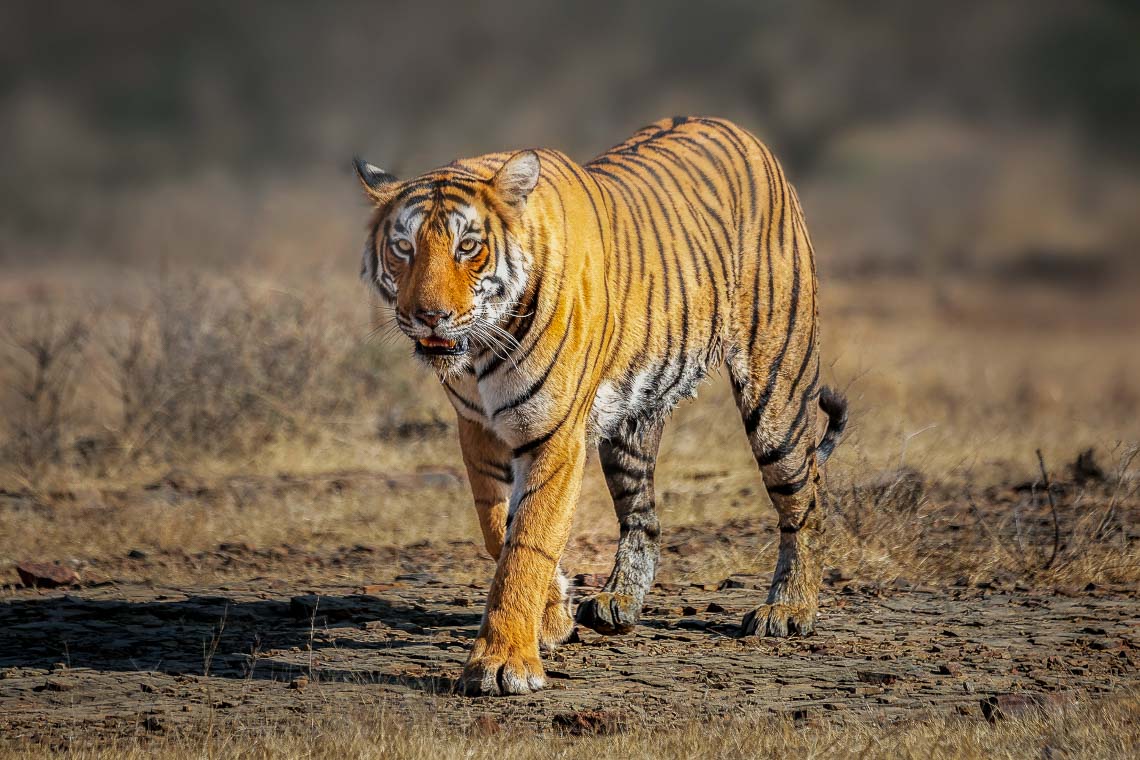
<point>626,493</point>
<point>469,404</point>
<point>803,522</point>
<point>499,472</point>
<point>537,384</point>
<point>753,421</point>
<point>530,492</point>
<point>625,448</point>
<point>534,443</point>
<point>612,467</point>
<point>789,489</point>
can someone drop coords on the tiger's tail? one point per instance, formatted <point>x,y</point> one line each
<point>834,404</point>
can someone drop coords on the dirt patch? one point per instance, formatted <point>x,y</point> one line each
<point>122,658</point>
<point>266,634</point>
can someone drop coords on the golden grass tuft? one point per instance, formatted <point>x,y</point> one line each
<point>1108,728</point>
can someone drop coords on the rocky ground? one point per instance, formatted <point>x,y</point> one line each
<point>285,639</point>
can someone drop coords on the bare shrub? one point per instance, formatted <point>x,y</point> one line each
<point>46,350</point>
<point>216,370</point>
<point>1044,530</point>
<point>879,524</point>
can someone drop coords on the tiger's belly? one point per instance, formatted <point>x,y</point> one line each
<point>646,393</point>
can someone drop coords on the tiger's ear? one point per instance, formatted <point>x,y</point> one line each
<point>517,177</point>
<point>378,184</point>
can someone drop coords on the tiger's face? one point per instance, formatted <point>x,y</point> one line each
<point>441,253</point>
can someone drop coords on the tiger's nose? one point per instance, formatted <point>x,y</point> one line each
<point>432,318</point>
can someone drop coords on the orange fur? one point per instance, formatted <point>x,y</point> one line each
<point>563,304</point>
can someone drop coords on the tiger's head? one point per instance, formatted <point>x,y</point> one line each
<point>442,252</point>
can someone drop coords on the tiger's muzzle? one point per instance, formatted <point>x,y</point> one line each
<point>434,345</point>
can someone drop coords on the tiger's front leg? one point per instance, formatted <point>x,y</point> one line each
<point>490,473</point>
<point>505,657</point>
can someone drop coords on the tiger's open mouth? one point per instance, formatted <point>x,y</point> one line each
<point>436,346</point>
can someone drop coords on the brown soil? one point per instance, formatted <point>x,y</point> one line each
<point>293,633</point>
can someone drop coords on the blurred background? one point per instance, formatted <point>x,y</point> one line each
<point>923,136</point>
<point>180,229</point>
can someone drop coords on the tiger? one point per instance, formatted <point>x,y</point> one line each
<point>566,306</point>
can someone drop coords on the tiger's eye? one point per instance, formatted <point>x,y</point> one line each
<point>403,246</point>
<point>468,246</point>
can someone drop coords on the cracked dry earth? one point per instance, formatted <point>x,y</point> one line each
<point>287,640</point>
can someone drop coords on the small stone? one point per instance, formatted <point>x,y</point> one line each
<point>409,626</point>
<point>688,610</point>
<point>1005,706</point>
<point>877,678</point>
<point>949,669</point>
<point>837,575</point>
<point>57,684</point>
<point>137,554</point>
<point>416,577</point>
<point>589,722</point>
<point>299,683</point>
<point>714,607</point>
<point>375,588</point>
<point>46,575</point>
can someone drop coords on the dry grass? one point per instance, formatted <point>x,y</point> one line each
<point>1105,729</point>
<point>213,379</point>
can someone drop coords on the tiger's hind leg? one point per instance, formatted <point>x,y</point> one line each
<point>781,428</point>
<point>628,461</point>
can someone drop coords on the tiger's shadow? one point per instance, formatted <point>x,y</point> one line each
<point>225,638</point>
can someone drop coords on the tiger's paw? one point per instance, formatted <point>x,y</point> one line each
<point>495,673</point>
<point>609,613</point>
<point>557,627</point>
<point>779,619</point>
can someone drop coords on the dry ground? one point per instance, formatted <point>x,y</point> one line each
<point>213,457</point>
